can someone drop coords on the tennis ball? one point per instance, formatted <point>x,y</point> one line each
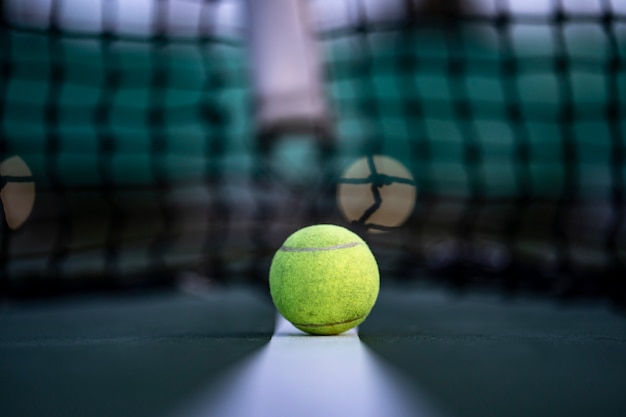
<point>377,192</point>
<point>324,279</point>
<point>17,191</point>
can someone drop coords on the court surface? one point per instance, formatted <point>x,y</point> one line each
<point>422,352</point>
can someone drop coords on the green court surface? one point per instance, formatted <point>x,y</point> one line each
<point>123,356</point>
<point>495,356</point>
<point>147,355</point>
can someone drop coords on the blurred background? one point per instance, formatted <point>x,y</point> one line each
<point>473,144</point>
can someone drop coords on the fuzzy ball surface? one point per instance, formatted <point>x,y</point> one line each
<point>324,279</point>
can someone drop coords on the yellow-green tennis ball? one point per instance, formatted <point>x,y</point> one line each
<point>324,279</point>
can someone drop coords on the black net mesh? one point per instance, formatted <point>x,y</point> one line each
<point>474,149</point>
<point>513,128</point>
<point>127,136</point>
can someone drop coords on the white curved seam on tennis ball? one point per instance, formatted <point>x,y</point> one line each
<point>325,248</point>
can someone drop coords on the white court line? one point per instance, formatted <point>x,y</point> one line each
<point>297,375</point>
